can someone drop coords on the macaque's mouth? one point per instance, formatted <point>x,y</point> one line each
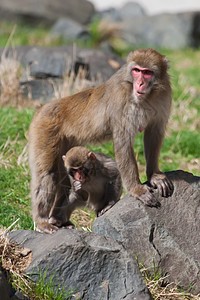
<point>139,94</point>
<point>80,179</point>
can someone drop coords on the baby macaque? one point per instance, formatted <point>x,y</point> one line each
<point>95,181</point>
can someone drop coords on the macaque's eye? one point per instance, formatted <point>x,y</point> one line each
<point>86,171</point>
<point>71,172</point>
<point>148,73</point>
<point>136,70</point>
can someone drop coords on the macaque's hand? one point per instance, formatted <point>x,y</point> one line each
<point>77,185</point>
<point>163,184</point>
<point>145,194</point>
<point>105,209</point>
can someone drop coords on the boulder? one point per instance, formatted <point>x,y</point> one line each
<point>111,14</point>
<point>166,30</point>
<point>69,30</point>
<point>167,237</point>
<point>47,10</point>
<point>40,89</point>
<point>93,266</point>
<point>131,10</point>
<point>128,10</point>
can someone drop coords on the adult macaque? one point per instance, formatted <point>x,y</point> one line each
<point>136,97</point>
<point>95,181</point>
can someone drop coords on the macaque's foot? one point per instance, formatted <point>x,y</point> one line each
<point>60,224</point>
<point>163,184</point>
<point>46,227</point>
<point>105,209</point>
<point>68,225</point>
<point>145,194</point>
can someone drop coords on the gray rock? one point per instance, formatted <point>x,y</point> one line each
<point>40,89</point>
<point>48,10</point>
<point>100,63</point>
<point>18,296</point>
<point>111,14</point>
<point>7,292</point>
<point>69,29</point>
<point>131,9</point>
<point>168,236</point>
<point>196,31</point>
<point>128,10</point>
<point>95,266</point>
<point>44,62</point>
<point>172,31</point>
<point>4,286</point>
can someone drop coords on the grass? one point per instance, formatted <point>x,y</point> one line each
<point>160,289</point>
<point>180,149</point>
<point>14,175</point>
<point>26,35</point>
<point>47,288</point>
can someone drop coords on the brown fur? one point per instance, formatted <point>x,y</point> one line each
<point>109,111</point>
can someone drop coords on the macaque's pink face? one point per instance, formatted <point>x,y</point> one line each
<point>142,78</point>
<point>78,174</point>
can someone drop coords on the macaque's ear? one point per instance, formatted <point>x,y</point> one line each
<point>91,156</point>
<point>167,62</point>
<point>63,157</point>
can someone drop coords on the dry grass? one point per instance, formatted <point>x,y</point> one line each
<point>72,83</point>
<point>8,152</point>
<point>5,154</point>
<point>183,115</point>
<point>162,291</point>
<point>83,219</point>
<point>108,30</point>
<point>10,72</point>
<point>14,260</point>
<point>104,31</point>
<point>11,92</point>
<point>167,293</point>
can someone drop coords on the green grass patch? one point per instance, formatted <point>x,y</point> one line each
<point>49,288</point>
<point>26,34</point>
<point>186,143</point>
<point>14,175</point>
